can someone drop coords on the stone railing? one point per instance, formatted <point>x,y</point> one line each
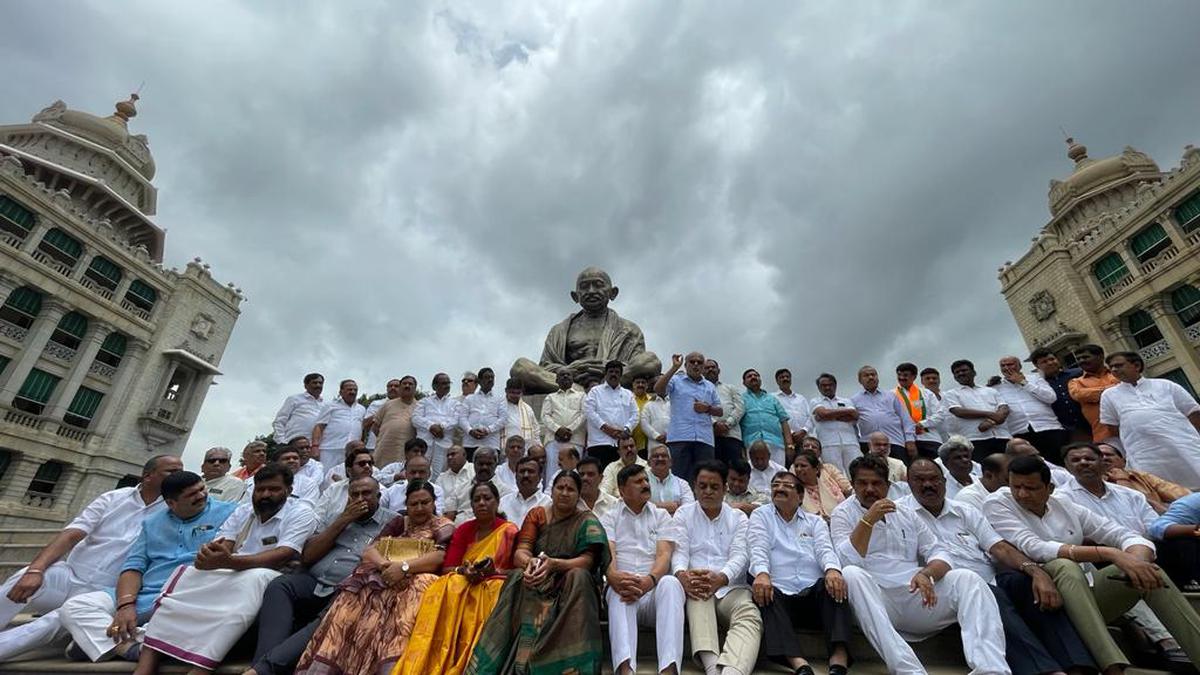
<point>1194,238</point>
<point>102,369</point>
<point>1155,351</point>
<point>38,500</point>
<point>73,433</point>
<point>12,331</point>
<point>135,310</point>
<point>1125,282</point>
<point>1192,332</point>
<point>10,239</point>
<point>58,351</point>
<point>62,268</point>
<point>1152,264</point>
<point>23,419</point>
<point>96,288</point>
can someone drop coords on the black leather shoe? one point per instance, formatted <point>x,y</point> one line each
<point>804,670</point>
<point>838,670</point>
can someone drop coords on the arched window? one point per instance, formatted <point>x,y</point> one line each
<point>112,350</point>
<point>35,391</point>
<point>46,480</point>
<point>1149,242</point>
<point>104,273</point>
<point>70,330</point>
<point>22,307</point>
<point>83,407</point>
<point>1185,300</point>
<point>1188,213</point>
<point>14,218</point>
<point>142,295</point>
<point>1109,270</point>
<point>62,247</point>
<point>1145,332</point>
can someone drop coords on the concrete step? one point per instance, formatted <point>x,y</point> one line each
<point>40,536</point>
<point>21,553</point>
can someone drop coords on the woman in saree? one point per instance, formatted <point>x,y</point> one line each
<point>822,493</point>
<point>456,606</point>
<point>547,620</point>
<point>367,626</point>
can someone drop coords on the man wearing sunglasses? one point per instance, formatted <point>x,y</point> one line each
<point>215,471</point>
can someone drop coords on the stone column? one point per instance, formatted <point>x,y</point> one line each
<point>1181,348</point>
<point>16,479</point>
<point>8,284</point>
<point>35,235</point>
<point>195,398</point>
<point>35,342</point>
<point>135,350</point>
<point>1114,330</point>
<point>84,357</point>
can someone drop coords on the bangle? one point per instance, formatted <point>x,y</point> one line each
<point>1071,552</point>
<point>653,578</point>
<point>33,570</point>
<point>1027,564</point>
<point>123,605</point>
<point>866,522</point>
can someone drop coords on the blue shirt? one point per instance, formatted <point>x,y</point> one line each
<point>883,411</point>
<point>686,423</point>
<point>762,419</point>
<point>166,542</point>
<point>1065,408</point>
<point>1183,511</point>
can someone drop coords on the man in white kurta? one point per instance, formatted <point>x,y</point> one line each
<point>482,416</point>
<point>762,467</point>
<point>455,480</point>
<point>611,414</point>
<point>205,607</point>
<point>975,412</point>
<point>667,491</point>
<point>528,495</point>
<point>435,418</point>
<point>798,411</point>
<point>1156,419</point>
<point>94,545</point>
<point>591,497</point>
<point>299,412</point>
<point>641,589</point>
<point>1029,413</point>
<point>900,582</point>
<point>562,414</point>
<point>834,424</point>
<point>626,456</point>
<point>359,464</point>
<point>655,419</point>
<point>340,421</point>
<point>519,419</point>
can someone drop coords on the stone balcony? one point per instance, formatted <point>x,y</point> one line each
<point>59,352</point>
<point>10,239</point>
<point>45,429</point>
<point>1154,352</point>
<point>96,288</point>
<point>1113,289</point>
<point>12,331</point>
<point>45,259</point>
<point>1168,254</point>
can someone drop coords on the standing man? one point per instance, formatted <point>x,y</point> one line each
<point>694,402</point>
<point>299,412</point>
<point>340,421</point>
<point>764,419</point>
<point>641,396</point>
<point>220,484</point>
<point>1157,420</point>
<point>519,419</point>
<point>727,428</point>
<point>483,416</point>
<point>611,414</point>
<point>710,561</point>
<point>1065,408</point>
<point>93,545</point>
<point>799,414</point>
<point>835,419</point>
<point>394,422</point>
<point>655,420</point>
<point>880,411</point>
<point>931,379</point>
<point>922,407</point>
<point>434,418</point>
<point>562,414</point>
<point>391,391</point>
<point>976,412</point>
<point>1031,415</point>
<point>1087,388</point>
<point>641,589</point>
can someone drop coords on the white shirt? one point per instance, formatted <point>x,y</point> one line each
<point>296,417</point>
<point>760,481</point>
<point>603,505</point>
<point>483,411</point>
<point>833,432</point>
<point>563,409</point>
<point>613,406</point>
<point>671,489</point>
<point>337,473</point>
<point>973,495</point>
<point>1065,522</point>
<point>935,415</point>
<point>432,410</point>
<point>718,544</point>
<point>1158,437</point>
<point>395,498</point>
<point>333,501</point>
<point>1059,476</point>
<point>975,398</point>
<point>898,544</point>
<point>635,536</point>
<point>372,411</point>
<point>655,418</point>
<point>1028,405</point>
<point>111,522</point>
<point>314,470</point>
<point>304,489</point>
<point>1119,504</point>
<point>799,414</point>
<point>796,554</point>
<point>608,481</point>
<point>732,407</point>
<point>454,484</point>
<point>515,507</point>
<point>226,488</point>
<point>506,475</point>
<point>343,423</point>
<point>964,534</point>
<point>520,421</point>
<point>290,527</point>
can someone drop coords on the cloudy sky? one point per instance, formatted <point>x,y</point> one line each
<point>412,187</point>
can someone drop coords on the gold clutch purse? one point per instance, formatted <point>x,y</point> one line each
<point>399,549</point>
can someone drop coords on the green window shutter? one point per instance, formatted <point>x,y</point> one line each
<point>1110,269</point>
<point>25,300</point>
<point>114,344</point>
<point>38,386</point>
<point>1145,331</point>
<point>1140,321</point>
<point>106,268</point>
<point>85,403</point>
<point>1185,300</point>
<point>73,323</point>
<point>1188,213</point>
<point>143,290</point>
<point>1147,239</point>
<point>16,214</point>
<point>64,242</point>
<point>1180,378</point>
<point>4,361</point>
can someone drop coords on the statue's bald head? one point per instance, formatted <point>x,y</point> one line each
<point>593,272</point>
<point>594,290</point>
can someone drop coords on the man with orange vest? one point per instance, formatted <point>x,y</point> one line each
<point>923,407</point>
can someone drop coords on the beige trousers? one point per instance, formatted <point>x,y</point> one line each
<point>737,613</point>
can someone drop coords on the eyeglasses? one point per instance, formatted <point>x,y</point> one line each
<point>466,381</point>
<point>365,462</point>
<point>216,460</point>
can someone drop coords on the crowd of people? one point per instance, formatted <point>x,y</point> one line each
<point>468,534</point>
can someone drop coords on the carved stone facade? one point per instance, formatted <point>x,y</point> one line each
<point>105,354</point>
<point>1118,264</point>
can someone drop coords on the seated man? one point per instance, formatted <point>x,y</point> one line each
<point>304,489</point>
<point>1019,447</point>
<point>626,456</point>
<point>94,546</point>
<point>882,546</point>
<point>215,471</point>
<point>514,450</point>
<point>359,463</point>
<point>1039,636</point>
<point>394,472</point>
<point>955,454</point>
<point>417,467</point>
<point>710,561</point>
<point>1051,529</point>
<point>994,477</point>
<point>797,579</point>
<point>641,589</point>
<point>455,477</point>
<point>529,495</point>
<point>104,623</point>
<point>1159,492</point>
<point>208,605</point>
<point>762,467</point>
<point>485,472</point>
<point>309,466</point>
<point>1180,527</point>
<point>565,458</point>
<point>293,603</point>
<point>739,495</point>
<point>667,491</point>
<point>591,497</point>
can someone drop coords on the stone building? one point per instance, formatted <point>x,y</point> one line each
<point>1117,265</point>
<point>105,355</point>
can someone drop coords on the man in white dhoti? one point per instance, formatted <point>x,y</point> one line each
<point>1157,420</point>
<point>435,418</point>
<point>894,596</point>
<point>641,589</point>
<point>207,606</point>
<point>86,556</point>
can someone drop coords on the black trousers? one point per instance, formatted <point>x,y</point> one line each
<point>1049,443</point>
<point>685,455</point>
<point>812,608</point>
<point>605,454</point>
<point>988,446</point>
<point>728,449</point>
<point>927,449</point>
<point>1036,641</point>
<point>1180,559</point>
<point>290,614</point>
<point>470,452</point>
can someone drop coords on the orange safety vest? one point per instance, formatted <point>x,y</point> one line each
<point>914,401</point>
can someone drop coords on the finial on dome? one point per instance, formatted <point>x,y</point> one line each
<point>1075,151</point>
<point>127,109</point>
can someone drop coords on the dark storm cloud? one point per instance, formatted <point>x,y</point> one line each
<point>412,187</point>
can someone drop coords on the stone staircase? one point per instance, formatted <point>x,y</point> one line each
<point>18,546</point>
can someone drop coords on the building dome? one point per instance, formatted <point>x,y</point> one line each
<point>111,132</point>
<point>1094,176</point>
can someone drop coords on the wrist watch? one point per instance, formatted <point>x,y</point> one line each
<point>404,567</point>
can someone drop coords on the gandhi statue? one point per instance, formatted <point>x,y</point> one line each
<point>583,342</point>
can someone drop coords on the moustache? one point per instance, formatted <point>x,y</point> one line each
<point>645,490</point>
<point>779,493</point>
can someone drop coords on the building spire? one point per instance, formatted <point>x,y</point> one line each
<point>126,109</point>
<point>1075,151</point>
